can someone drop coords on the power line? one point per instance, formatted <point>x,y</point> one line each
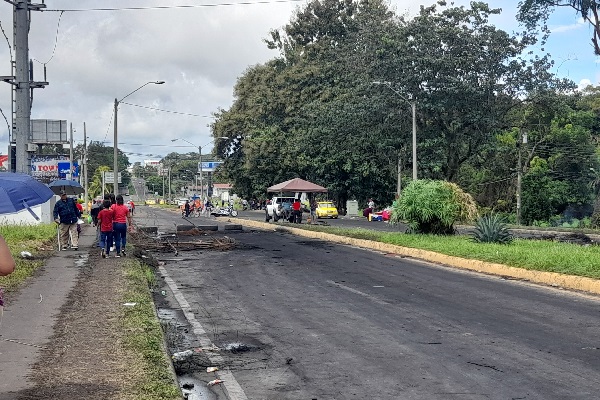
<point>167,111</point>
<point>55,41</point>
<point>242,3</point>
<point>7,41</point>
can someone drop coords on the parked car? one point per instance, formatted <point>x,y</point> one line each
<point>326,209</point>
<point>181,201</point>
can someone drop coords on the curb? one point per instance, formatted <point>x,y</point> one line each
<point>553,279</point>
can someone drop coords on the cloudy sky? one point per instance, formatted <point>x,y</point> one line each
<point>93,57</point>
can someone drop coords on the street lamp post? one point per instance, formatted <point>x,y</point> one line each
<point>200,159</point>
<point>115,146</point>
<point>413,105</point>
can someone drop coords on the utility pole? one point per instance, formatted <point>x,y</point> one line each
<point>399,186</point>
<point>85,169</point>
<point>520,142</point>
<point>70,176</point>
<point>22,81</point>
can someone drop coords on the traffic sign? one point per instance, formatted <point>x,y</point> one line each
<point>109,177</point>
<point>209,166</point>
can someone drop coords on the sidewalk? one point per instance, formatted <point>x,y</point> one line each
<point>30,315</point>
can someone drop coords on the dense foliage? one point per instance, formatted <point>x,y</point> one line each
<point>315,112</point>
<point>431,206</point>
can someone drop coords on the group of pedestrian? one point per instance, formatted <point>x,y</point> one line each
<point>197,207</point>
<point>112,219</point>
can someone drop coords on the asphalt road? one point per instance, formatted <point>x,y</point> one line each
<point>315,320</point>
<point>341,222</point>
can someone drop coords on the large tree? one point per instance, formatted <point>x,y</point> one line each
<point>534,13</point>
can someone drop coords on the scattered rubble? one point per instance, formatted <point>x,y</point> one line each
<point>174,244</point>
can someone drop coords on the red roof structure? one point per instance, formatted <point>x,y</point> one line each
<point>297,185</point>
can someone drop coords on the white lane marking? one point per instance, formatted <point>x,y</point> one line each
<point>231,386</point>
<point>366,295</point>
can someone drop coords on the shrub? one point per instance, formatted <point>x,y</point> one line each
<point>434,206</point>
<point>491,229</point>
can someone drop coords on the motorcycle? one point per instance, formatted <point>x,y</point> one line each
<point>224,212</point>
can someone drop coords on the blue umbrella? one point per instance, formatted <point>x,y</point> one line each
<point>20,191</point>
<point>69,187</point>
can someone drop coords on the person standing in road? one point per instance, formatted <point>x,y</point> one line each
<point>105,222</point>
<point>313,211</point>
<point>66,215</point>
<point>121,218</point>
<point>186,207</point>
<point>297,211</point>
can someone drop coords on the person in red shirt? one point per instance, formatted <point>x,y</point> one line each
<point>297,213</point>
<point>132,205</point>
<point>105,221</point>
<point>122,216</point>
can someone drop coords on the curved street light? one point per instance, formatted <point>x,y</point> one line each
<point>200,158</point>
<point>115,147</point>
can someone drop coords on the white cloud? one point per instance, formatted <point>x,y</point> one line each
<point>583,84</point>
<point>569,27</point>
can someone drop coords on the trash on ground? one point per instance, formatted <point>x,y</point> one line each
<point>188,386</point>
<point>214,382</point>
<point>212,369</point>
<point>182,355</point>
<point>26,254</point>
<point>129,304</point>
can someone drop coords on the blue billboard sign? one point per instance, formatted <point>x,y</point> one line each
<point>209,166</point>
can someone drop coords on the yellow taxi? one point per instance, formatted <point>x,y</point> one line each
<point>326,209</point>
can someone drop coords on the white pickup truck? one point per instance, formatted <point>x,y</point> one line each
<point>279,207</point>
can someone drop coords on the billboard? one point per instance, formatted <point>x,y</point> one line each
<point>209,166</point>
<point>46,168</point>
<point>47,131</point>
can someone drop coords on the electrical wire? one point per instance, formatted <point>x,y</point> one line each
<point>7,41</point>
<point>7,124</point>
<point>112,115</point>
<point>242,3</point>
<point>55,42</point>
<point>167,111</point>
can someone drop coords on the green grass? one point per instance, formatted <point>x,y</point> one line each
<point>152,379</point>
<point>539,255</point>
<point>38,240</point>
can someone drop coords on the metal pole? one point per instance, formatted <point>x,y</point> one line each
<point>414,138</point>
<point>399,188</point>
<point>22,96</point>
<point>519,178</point>
<point>115,154</point>
<point>70,176</point>
<point>85,169</point>
<point>201,177</point>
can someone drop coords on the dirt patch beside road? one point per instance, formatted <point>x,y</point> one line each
<point>85,359</point>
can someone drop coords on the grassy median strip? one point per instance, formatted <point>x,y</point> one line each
<point>151,377</point>
<point>35,239</point>
<point>538,255</point>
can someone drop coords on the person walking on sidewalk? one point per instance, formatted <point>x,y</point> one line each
<point>105,222</point>
<point>66,215</point>
<point>122,217</point>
